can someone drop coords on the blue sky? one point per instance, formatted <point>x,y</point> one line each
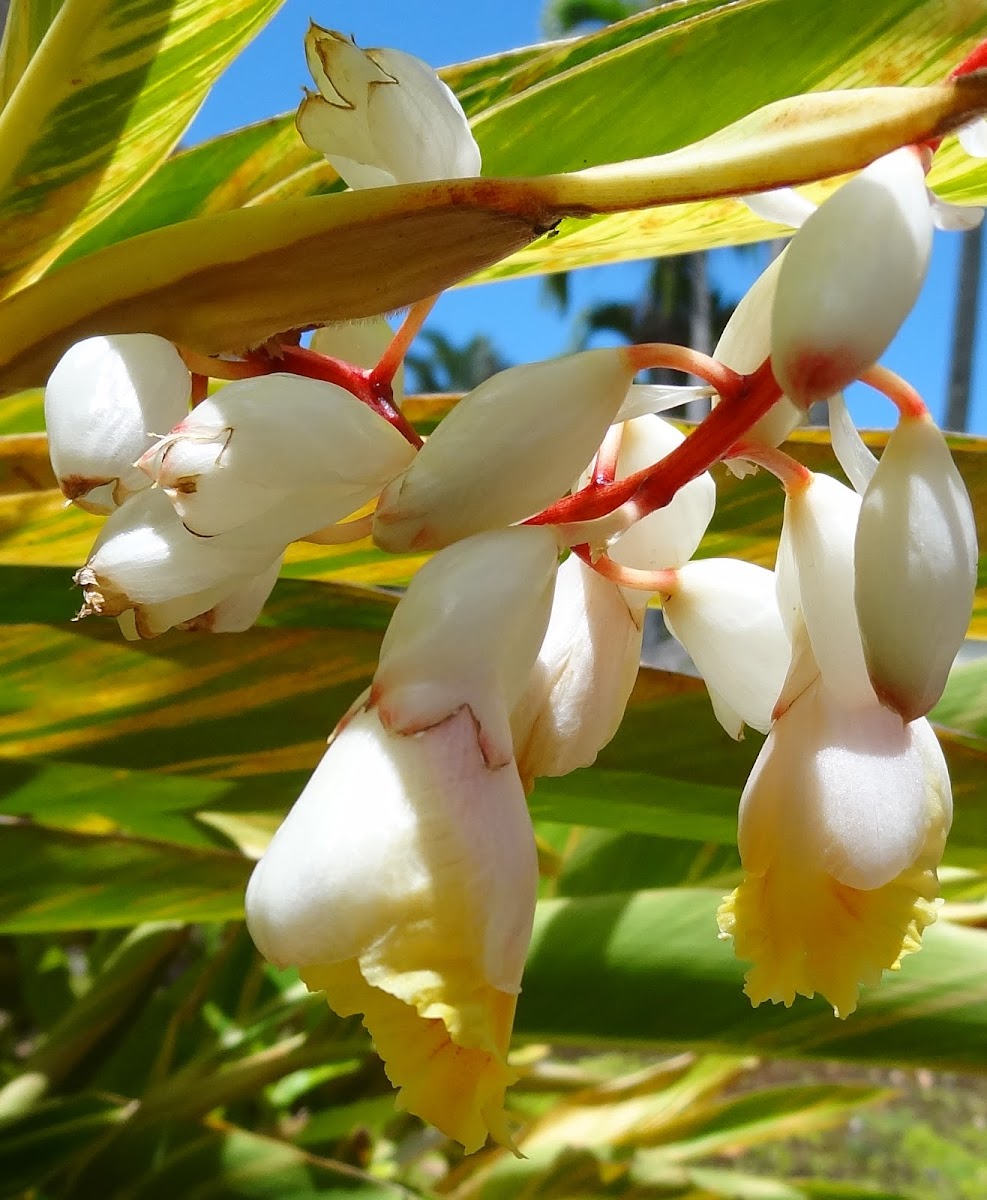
<point>269,75</point>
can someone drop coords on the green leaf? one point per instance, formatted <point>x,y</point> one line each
<point>58,880</point>
<point>27,23</point>
<point>631,90</point>
<point>37,1145</point>
<point>647,969</point>
<point>229,281</point>
<point>108,93</point>
<point>234,1163</point>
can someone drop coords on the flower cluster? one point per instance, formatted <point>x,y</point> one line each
<point>559,504</point>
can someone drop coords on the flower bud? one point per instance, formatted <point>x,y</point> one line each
<point>916,568</point>
<point>850,277</point>
<point>579,686</point>
<point>815,576</point>
<point>362,343</point>
<point>725,613</point>
<point>403,883</point>
<point>383,116</point>
<point>743,346</point>
<point>467,631</point>
<point>507,450</point>
<point>275,440</point>
<point>670,536</point>
<point>106,401</point>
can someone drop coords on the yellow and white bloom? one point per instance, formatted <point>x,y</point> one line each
<point>842,825</point>
<point>845,814</point>
<point>403,880</point>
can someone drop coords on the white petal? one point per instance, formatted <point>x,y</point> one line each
<point>954,218</point>
<point>821,523</point>
<point>724,612</point>
<point>468,630</point>
<point>578,689</point>
<point>744,345</point>
<point>106,400</point>
<point>850,277</point>
<point>850,788</point>
<point>391,831</point>
<point>507,450</point>
<point>259,442</point>
<point>853,455</point>
<point>419,127</point>
<point>783,206</point>
<point>973,138</point>
<point>144,555</point>
<point>239,609</point>
<point>916,568</point>
<point>670,536</point>
<point>645,398</point>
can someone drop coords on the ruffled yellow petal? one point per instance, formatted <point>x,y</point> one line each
<point>805,932</point>
<point>448,1059</point>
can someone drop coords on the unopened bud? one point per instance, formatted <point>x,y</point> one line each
<point>506,451</point>
<point>467,631</point>
<point>850,277</point>
<point>916,568</point>
<point>106,401</point>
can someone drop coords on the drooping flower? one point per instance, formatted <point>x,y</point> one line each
<point>382,116</point>
<point>842,825</point>
<point>845,815</point>
<point>403,880</point>
<point>509,448</point>
<point>106,401</point>
<point>915,568</point>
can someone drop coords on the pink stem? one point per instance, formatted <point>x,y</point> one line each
<point>744,401</point>
<point>400,344</point>
<point>901,393</point>
<point>605,467</point>
<point>690,362</point>
<point>792,474</point>
<point>663,581</point>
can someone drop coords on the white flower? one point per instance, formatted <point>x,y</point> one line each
<point>916,568</point>
<point>725,613</point>
<point>275,441</point>
<point>383,116</point>
<point>144,557</point>
<point>508,449</point>
<point>106,401</point>
<point>850,277</point>
<point>578,689</point>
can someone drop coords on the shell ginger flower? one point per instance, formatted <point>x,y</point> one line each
<point>403,881</point>
<point>842,825</point>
